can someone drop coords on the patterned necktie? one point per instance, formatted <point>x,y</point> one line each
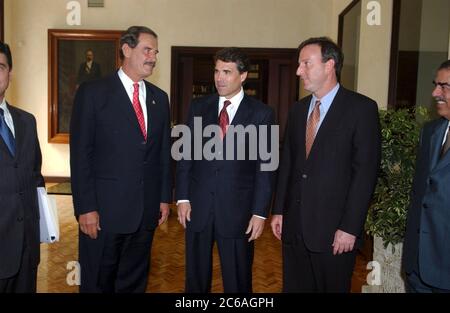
<point>6,134</point>
<point>311,127</point>
<point>224,120</point>
<point>138,109</point>
<point>446,145</point>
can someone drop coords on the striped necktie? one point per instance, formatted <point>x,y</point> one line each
<point>311,127</point>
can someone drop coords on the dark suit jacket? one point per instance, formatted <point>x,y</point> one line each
<point>113,170</point>
<point>84,76</point>
<point>231,190</point>
<point>427,237</point>
<point>331,189</point>
<point>19,210</point>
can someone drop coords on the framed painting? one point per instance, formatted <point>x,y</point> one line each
<point>75,56</point>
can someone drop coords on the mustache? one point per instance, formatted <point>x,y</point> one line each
<point>438,99</point>
<point>150,63</point>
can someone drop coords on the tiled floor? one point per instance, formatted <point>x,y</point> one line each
<point>57,268</point>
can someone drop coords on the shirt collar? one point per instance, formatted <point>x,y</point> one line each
<point>326,101</point>
<point>235,100</point>
<point>127,81</point>
<point>328,98</point>
<point>4,106</point>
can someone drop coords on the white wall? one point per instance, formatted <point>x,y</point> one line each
<point>374,52</point>
<point>249,23</point>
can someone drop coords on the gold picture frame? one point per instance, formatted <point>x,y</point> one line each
<point>68,52</point>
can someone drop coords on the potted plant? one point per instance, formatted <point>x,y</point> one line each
<point>386,220</point>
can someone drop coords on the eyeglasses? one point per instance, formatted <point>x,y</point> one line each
<point>444,86</point>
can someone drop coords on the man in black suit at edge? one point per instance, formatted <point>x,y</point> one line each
<point>426,249</point>
<point>20,175</point>
<point>327,175</point>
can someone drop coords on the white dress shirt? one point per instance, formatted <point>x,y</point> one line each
<point>128,83</point>
<point>8,117</point>
<point>234,106</point>
<point>231,110</point>
<point>89,64</point>
<point>445,134</point>
<point>325,104</point>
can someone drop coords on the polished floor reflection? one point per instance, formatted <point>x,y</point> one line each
<point>56,270</point>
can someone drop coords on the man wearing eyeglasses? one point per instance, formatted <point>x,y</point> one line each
<point>426,257</point>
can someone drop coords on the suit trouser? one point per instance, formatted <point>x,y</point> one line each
<point>236,259</point>
<point>25,280</point>
<point>306,271</point>
<point>115,262</point>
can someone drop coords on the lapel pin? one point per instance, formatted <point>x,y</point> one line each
<point>153,102</point>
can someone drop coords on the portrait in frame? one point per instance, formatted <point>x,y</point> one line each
<point>76,56</point>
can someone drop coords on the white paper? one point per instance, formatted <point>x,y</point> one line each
<point>48,222</point>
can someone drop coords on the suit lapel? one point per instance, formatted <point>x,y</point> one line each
<point>4,147</point>
<point>211,114</point>
<point>436,146</point>
<point>241,117</point>
<point>301,128</point>
<point>443,162</point>
<point>151,109</point>
<point>120,96</point>
<point>242,114</point>
<point>330,121</point>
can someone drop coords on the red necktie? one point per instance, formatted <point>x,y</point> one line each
<point>311,127</point>
<point>138,109</point>
<point>224,120</point>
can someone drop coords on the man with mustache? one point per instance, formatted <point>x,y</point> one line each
<point>120,165</point>
<point>426,254</point>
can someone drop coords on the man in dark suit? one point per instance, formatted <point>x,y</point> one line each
<point>89,70</point>
<point>426,250</point>
<point>224,199</point>
<point>120,166</point>
<point>327,175</point>
<point>20,175</point>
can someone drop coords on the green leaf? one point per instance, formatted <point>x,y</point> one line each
<point>400,131</point>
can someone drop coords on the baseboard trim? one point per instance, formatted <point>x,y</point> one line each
<point>56,179</point>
